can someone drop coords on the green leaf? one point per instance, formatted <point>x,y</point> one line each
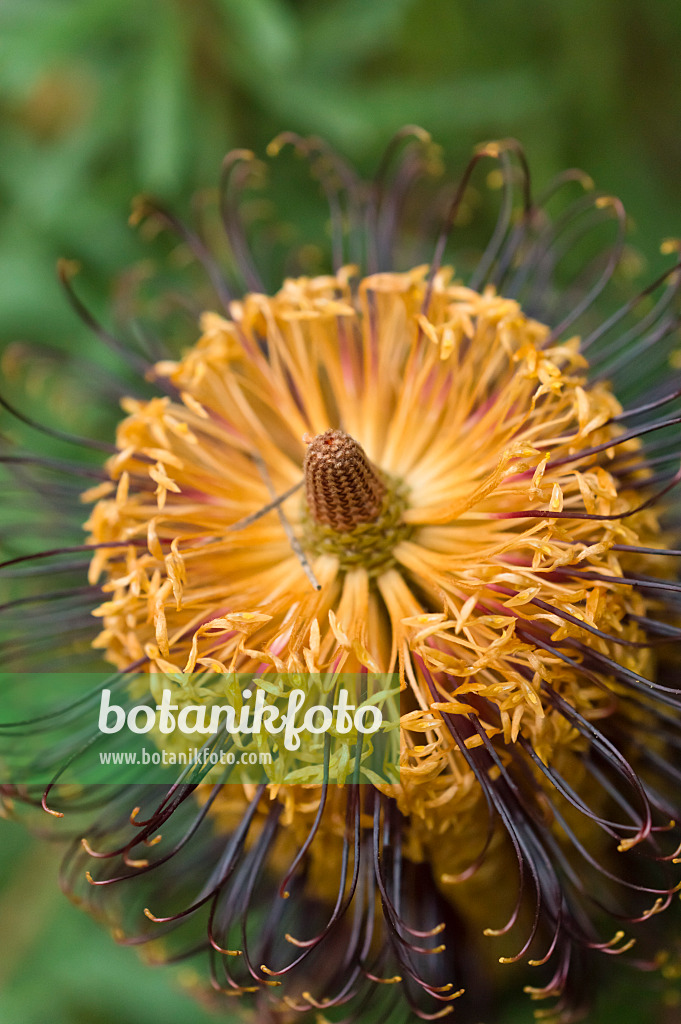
<point>339,35</point>
<point>163,122</point>
<point>265,30</point>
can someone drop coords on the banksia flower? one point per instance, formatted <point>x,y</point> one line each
<point>397,466</point>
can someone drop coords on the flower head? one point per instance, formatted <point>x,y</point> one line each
<point>414,471</point>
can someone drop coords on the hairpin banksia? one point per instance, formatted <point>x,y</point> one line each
<point>399,465</point>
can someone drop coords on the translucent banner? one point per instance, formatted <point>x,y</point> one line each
<point>244,728</point>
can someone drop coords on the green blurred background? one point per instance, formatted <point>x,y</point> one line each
<point>104,99</point>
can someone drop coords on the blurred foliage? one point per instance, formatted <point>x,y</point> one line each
<point>61,962</point>
<point>100,100</point>
<point>104,99</point>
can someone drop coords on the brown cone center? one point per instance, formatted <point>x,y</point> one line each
<point>343,489</point>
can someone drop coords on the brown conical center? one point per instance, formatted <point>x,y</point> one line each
<point>343,488</point>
